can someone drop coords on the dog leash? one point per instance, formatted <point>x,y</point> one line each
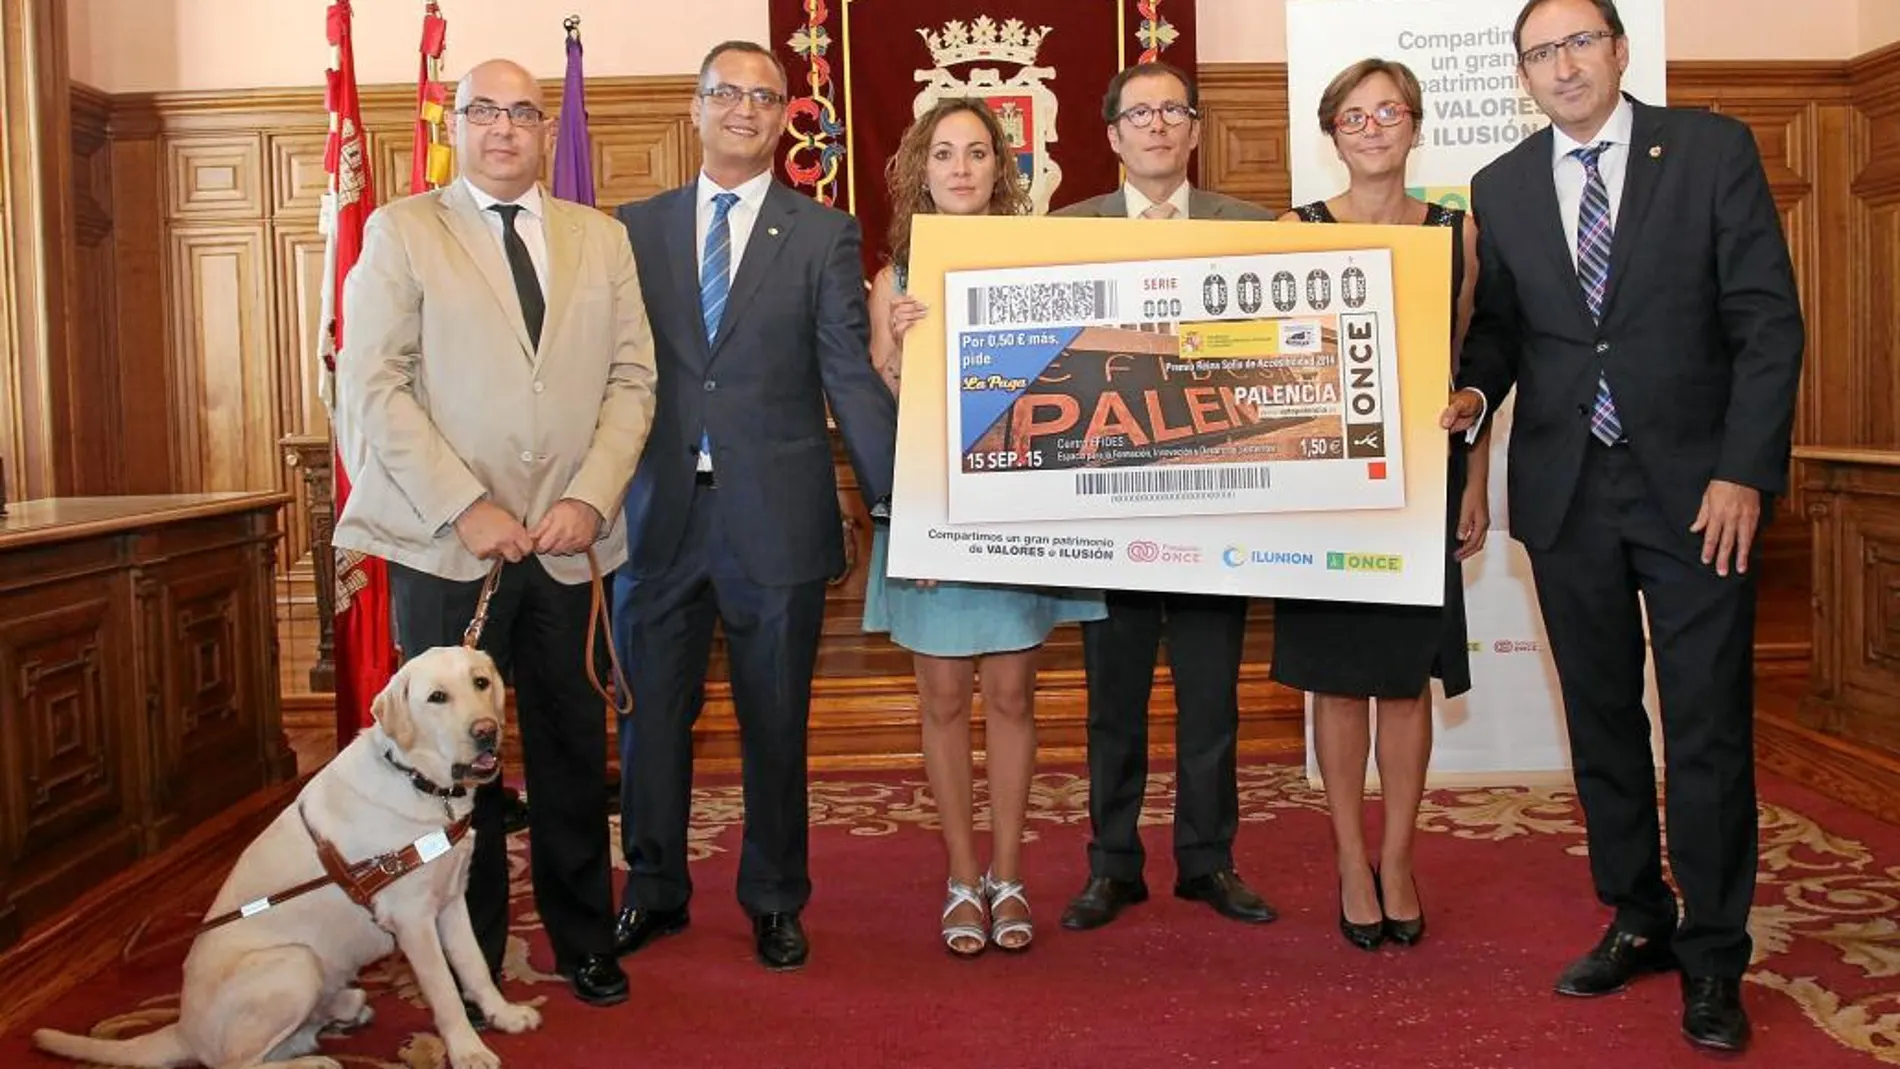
<point>620,698</point>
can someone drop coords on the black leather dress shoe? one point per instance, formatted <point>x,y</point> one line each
<point>781,940</point>
<point>598,981</point>
<point>1100,901</point>
<point>1229,896</point>
<point>1617,959</point>
<point>1712,1014</point>
<point>636,928</point>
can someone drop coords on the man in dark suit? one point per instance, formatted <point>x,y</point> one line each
<point>1636,288</point>
<point>756,296</point>
<point>1153,116</point>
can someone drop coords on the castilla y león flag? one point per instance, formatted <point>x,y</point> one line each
<point>365,651</point>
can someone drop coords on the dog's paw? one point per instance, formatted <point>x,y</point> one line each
<point>476,1056</point>
<point>516,1017</point>
<point>349,1011</point>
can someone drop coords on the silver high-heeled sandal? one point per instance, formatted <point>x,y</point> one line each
<point>965,940</point>
<point>1012,934</point>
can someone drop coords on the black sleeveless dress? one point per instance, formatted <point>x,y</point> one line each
<point>1384,651</point>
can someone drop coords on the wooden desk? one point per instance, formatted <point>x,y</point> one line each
<point>138,682</point>
<point>1853,696</point>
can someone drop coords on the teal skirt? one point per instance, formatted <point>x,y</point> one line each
<point>954,619</point>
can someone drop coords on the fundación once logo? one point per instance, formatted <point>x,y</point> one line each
<point>1340,561</point>
<point>1236,556</point>
<point>1144,551</point>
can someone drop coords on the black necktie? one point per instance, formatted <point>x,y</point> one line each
<point>527,285</point>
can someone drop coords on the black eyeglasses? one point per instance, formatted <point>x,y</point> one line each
<point>484,114</point>
<point>1172,114</point>
<point>1355,120</point>
<point>1577,44</point>
<point>728,96</point>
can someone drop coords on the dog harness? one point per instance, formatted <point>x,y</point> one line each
<point>361,881</point>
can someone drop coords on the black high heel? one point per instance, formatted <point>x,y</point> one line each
<point>1363,936</point>
<point>1405,933</point>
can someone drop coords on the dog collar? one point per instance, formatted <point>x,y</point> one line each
<point>423,783</point>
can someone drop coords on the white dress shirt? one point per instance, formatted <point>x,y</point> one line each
<point>1138,201</point>
<point>529,224</point>
<point>739,218</point>
<point>1567,170</point>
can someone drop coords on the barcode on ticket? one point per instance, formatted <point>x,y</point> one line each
<point>1042,302</point>
<point>1173,480</point>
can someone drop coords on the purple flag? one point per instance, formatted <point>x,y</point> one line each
<point>573,156</point>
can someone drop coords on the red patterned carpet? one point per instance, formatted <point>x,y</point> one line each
<point>1502,873</point>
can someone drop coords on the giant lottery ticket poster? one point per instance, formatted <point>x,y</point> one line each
<point>1237,385</point>
<point>1222,407</point>
<point>1509,727</point>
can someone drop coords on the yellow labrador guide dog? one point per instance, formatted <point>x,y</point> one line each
<point>272,970</point>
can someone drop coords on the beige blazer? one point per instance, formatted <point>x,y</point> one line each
<point>441,399</point>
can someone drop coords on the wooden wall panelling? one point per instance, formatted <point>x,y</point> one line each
<point>1875,195</point>
<point>224,377</point>
<point>141,269</point>
<point>296,272</point>
<point>99,404</point>
<point>1244,149</point>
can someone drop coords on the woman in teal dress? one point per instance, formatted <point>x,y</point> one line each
<point>955,160</point>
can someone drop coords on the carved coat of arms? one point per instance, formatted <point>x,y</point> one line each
<point>1023,101</point>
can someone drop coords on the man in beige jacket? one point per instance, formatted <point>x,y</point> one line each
<point>495,391</point>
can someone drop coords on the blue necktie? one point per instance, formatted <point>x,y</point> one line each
<point>715,270</point>
<point>1593,271</point>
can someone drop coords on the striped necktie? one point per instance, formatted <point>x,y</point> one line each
<point>715,280</point>
<point>1593,271</point>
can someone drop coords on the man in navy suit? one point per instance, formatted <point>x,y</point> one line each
<point>1637,292</point>
<point>756,298</point>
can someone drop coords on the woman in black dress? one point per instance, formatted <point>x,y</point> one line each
<point>1346,654</point>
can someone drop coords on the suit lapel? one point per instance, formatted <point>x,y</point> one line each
<point>1205,205</point>
<point>1640,172</point>
<point>1542,205</point>
<point>681,226</point>
<point>463,220</point>
<point>1113,205</point>
<point>564,260</point>
<point>770,231</point>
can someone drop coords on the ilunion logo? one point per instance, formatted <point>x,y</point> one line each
<point>1236,556</point>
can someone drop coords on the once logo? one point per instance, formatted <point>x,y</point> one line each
<point>1144,551</point>
<point>1338,561</point>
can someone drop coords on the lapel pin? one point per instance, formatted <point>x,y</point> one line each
<point>1655,152</point>
<point>772,230</point>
